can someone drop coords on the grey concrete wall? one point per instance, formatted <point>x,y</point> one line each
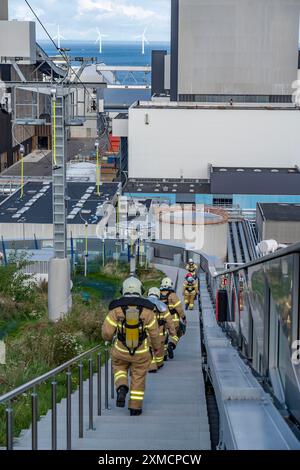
<point>3,10</point>
<point>18,39</point>
<point>259,223</point>
<point>282,232</point>
<point>238,46</point>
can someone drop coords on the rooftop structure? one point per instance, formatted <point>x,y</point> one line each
<point>32,215</point>
<point>239,187</point>
<point>280,222</point>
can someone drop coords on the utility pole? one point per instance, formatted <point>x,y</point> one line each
<point>59,282</point>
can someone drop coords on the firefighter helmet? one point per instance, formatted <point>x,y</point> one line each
<point>154,292</point>
<point>166,284</point>
<point>132,286</point>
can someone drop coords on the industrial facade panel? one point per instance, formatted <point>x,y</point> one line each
<point>238,46</point>
<point>183,143</point>
<point>18,39</point>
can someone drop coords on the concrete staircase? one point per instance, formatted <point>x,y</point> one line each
<point>175,413</point>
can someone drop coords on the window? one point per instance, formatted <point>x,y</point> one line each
<point>223,202</point>
<point>196,98</point>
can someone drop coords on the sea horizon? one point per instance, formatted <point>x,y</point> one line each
<point>113,52</point>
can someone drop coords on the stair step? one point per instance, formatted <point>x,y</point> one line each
<point>175,411</point>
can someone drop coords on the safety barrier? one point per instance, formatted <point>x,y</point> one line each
<point>92,357</point>
<point>269,352</point>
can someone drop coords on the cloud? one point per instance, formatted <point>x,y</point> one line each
<point>120,19</point>
<point>22,13</point>
<point>131,11</point>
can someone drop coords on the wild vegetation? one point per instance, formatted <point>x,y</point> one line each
<point>35,346</point>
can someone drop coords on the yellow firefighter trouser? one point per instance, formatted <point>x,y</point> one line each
<point>138,365</point>
<point>189,299</point>
<point>158,358</point>
<point>175,319</point>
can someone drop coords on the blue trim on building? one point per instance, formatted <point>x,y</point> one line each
<point>166,196</point>
<point>206,199</point>
<point>249,201</point>
<point>244,201</point>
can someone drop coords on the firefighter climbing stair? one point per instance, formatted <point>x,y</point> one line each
<point>175,412</point>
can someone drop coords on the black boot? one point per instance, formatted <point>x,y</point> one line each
<point>121,396</point>
<point>171,351</point>
<point>136,412</point>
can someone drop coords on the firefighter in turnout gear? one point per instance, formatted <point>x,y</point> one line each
<point>190,292</point>
<point>169,297</point>
<point>167,330</point>
<point>192,268</point>
<point>133,326</point>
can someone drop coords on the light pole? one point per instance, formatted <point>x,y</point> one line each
<point>22,153</point>
<point>98,167</point>
<point>86,255</point>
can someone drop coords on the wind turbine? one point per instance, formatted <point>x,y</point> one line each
<point>144,40</point>
<point>58,37</point>
<point>99,39</point>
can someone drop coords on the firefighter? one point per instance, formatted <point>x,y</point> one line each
<point>167,330</point>
<point>169,297</point>
<point>132,321</point>
<point>192,268</point>
<point>190,292</point>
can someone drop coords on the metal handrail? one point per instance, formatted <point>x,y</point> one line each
<point>33,384</point>
<point>278,254</point>
<point>45,377</point>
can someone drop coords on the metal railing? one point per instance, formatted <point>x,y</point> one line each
<point>11,397</point>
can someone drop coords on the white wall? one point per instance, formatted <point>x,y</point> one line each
<point>18,39</point>
<point>183,142</point>
<point>120,127</point>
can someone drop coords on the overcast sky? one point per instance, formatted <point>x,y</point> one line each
<point>119,19</point>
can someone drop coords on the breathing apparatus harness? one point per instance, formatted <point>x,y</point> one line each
<point>132,332</point>
<point>165,298</point>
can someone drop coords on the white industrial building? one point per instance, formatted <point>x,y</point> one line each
<point>181,140</point>
<point>233,69</point>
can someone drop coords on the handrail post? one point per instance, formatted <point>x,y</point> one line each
<point>34,430</point>
<point>69,410</point>
<point>106,378</point>
<point>80,400</point>
<point>91,396</point>
<point>54,415</point>
<point>9,428</point>
<point>99,384</point>
<point>112,381</point>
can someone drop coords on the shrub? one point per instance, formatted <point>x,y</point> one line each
<point>65,347</point>
<point>15,284</point>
